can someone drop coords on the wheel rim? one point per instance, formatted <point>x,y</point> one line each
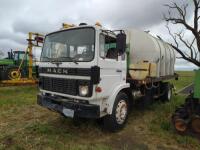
<point>121,112</point>
<point>180,125</point>
<point>169,94</point>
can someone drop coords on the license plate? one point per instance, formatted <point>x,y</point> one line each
<point>68,112</point>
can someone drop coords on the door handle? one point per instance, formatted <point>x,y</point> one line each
<point>118,70</point>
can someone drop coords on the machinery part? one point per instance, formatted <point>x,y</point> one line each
<point>180,125</point>
<point>14,74</point>
<point>119,115</point>
<point>21,72</point>
<point>195,124</point>
<point>33,37</point>
<point>187,116</point>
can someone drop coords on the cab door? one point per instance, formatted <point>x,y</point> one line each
<point>112,66</point>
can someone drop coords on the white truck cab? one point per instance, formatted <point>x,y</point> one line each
<point>83,73</point>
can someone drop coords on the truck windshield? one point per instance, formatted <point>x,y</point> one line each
<point>69,45</point>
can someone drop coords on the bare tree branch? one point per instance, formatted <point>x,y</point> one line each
<point>192,48</point>
<point>197,63</point>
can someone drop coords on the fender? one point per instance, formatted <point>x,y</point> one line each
<point>111,99</point>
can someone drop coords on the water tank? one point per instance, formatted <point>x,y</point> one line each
<point>146,48</point>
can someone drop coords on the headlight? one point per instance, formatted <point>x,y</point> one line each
<point>83,90</point>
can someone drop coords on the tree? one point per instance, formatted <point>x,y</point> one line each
<point>191,51</point>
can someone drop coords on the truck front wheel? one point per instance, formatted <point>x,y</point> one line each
<point>119,115</point>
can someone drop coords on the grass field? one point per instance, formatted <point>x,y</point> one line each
<point>25,125</point>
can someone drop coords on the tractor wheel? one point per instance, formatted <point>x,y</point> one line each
<point>180,125</point>
<point>14,74</point>
<point>196,124</point>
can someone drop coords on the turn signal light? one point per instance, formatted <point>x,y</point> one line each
<point>98,89</point>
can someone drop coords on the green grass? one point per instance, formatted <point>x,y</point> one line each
<point>185,78</point>
<point>25,125</point>
<point>24,95</point>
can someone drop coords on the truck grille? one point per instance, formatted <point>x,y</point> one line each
<point>66,86</point>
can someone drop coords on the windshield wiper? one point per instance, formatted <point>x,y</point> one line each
<point>54,61</point>
<point>48,58</point>
<point>74,61</point>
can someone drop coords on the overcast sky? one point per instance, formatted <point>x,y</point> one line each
<point>18,17</point>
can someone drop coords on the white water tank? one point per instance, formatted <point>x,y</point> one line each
<point>146,48</point>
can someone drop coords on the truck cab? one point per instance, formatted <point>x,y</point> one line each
<point>18,56</point>
<point>82,70</point>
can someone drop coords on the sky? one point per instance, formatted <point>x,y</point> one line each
<point>18,17</point>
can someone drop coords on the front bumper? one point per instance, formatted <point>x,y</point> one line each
<point>79,109</point>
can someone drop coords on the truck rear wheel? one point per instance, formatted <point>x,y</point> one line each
<point>119,115</point>
<point>167,92</point>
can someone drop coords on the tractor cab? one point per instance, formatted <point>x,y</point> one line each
<point>18,56</point>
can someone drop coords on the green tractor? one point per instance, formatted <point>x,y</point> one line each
<point>8,60</point>
<point>14,66</point>
<point>18,68</point>
<point>187,117</point>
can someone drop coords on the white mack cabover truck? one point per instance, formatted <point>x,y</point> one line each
<point>90,72</point>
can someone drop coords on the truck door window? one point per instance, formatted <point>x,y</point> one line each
<point>107,47</point>
<point>102,49</point>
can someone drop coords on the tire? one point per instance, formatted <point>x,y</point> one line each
<point>196,124</point>
<point>13,74</point>
<point>118,118</point>
<point>167,92</point>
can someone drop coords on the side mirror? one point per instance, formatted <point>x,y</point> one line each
<point>121,43</point>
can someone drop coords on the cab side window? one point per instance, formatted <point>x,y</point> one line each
<point>107,47</point>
